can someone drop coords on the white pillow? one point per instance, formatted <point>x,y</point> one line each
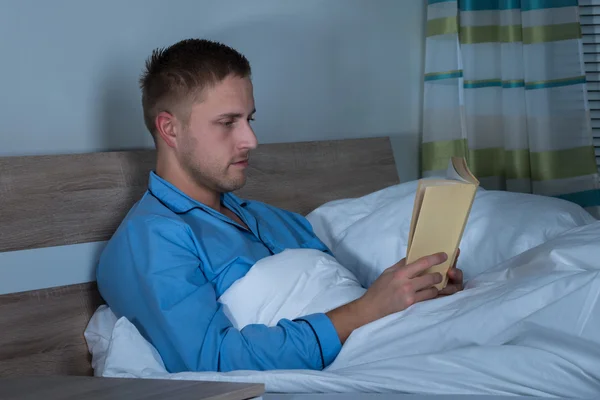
<point>98,334</point>
<point>370,233</point>
<point>118,349</point>
<point>291,284</point>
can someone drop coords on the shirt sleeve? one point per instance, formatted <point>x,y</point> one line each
<point>164,292</point>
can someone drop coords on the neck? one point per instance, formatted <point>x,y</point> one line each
<point>170,170</point>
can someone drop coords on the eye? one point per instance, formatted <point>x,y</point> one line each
<point>228,124</point>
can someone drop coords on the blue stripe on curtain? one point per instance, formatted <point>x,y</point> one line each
<point>528,5</point>
<point>510,85</point>
<point>523,5</point>
<point>443,75</point>
<point>557,83</point>
<point>588,198</point>
<point>478,85</point>
<point>494,83</point>
<point>430,2</point>
<point>517,83</point>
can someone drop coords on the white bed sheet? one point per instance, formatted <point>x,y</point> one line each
<point>528,326</point>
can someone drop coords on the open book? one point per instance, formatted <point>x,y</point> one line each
<point>440,214</point>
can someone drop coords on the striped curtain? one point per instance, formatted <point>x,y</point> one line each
<point>505,88</point>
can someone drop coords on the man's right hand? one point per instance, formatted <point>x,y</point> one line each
<point>396,289</point>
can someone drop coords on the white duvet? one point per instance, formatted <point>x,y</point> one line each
<point>528,325</point>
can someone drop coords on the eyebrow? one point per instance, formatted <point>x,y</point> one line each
<point>235,115</point>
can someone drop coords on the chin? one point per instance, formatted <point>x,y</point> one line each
<point>232,186</point>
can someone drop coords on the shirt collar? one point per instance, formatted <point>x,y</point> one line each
<point>176,200</point>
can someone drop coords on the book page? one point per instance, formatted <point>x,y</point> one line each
<point>459,170</point>
<point>452,173</point>
<point>416,210</point>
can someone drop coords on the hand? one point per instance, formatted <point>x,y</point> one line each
<point>455,279</point>
<point>402,285</point>
<point>396,289</point>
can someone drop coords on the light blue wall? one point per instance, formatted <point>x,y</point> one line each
<point>322,69</point>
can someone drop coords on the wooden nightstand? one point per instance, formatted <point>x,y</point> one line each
<point>93,388</point>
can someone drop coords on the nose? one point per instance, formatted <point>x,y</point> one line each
<point>249,140</point>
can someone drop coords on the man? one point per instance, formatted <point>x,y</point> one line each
<point>189,238</point>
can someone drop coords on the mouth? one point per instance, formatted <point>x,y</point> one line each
<point>242,163</point>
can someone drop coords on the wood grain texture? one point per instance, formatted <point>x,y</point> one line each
<point>68,199</point>
<point>92,388</point>
<point>42,330</point>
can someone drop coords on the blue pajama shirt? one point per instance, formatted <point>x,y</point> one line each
<point>173,257</point>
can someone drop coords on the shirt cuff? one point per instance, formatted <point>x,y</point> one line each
<point>327,337</point>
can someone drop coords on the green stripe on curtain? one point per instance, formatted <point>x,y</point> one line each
<point>436,76</point>
<point>517,164</point>
<point>588,198</point>
<point>442,26</point>
<point>524,5</point>
<point>516,33</point>
<point>561,164</point>
<point>487,162</point>
<point>490,33</point>
<point>551,33</point>
<point>435,155</point>
<point>513,164</point>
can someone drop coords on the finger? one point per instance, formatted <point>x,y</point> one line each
<point>450,289</point>
<point>457,255</point>
<point>426,294</point>
<point>456,258</point>
<point>455,275</point>
<point>426,281</point>
<point>423,263</point>
<point>401,263</point>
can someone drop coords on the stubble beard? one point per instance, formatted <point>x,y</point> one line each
<point>211,177</point>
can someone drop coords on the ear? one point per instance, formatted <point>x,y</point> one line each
<point>167,128</point>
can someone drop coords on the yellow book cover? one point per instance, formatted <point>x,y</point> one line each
<point>440,214</point>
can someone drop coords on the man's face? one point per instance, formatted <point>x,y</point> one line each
<point>214,148</point>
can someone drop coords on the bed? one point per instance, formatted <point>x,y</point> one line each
<point>350,190</point>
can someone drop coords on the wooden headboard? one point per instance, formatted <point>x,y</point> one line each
<point>69,199</point>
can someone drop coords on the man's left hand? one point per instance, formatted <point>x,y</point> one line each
<point>455,279</point>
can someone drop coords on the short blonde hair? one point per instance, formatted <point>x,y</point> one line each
<point>175,76</point>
